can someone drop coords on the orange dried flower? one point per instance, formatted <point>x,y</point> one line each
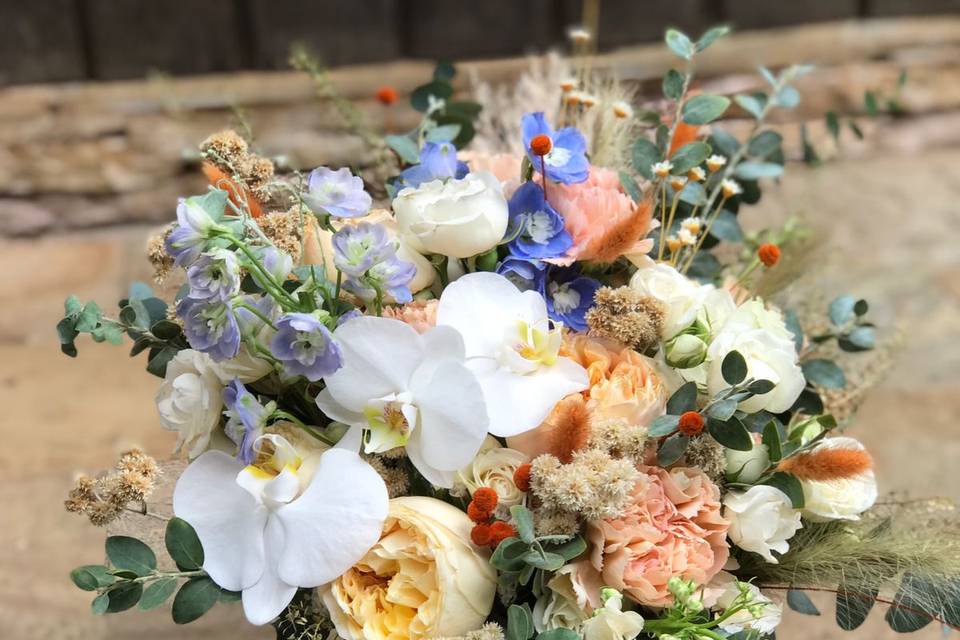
<point>825,463</point>
<point>521,477</point>
<point>691,423</point>
<point>500,531</point>
<point>769,254</point>
<point>683,134</point>
<point>387,95</point>
<point>477,514</point>
<point>485,498</point>
<point>480,535</point>
<point>238,193</point>
<point>541,144</point>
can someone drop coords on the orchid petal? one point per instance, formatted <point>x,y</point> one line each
<point>436,477</point>
<point>379,356</point>
<point>228,520</point>
<point>266,599</point>
<point>283,488</point>
<point>336,520</point>
<point>519,403</point>
<point>480,305</point>
<point>336,411</point>
<point>453,415</point>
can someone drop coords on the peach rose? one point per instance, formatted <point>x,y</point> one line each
<point>623,386</point>
<point>419,314</point>
<point>674,527</point>
<point>504,166</point>
<point>604,222</point>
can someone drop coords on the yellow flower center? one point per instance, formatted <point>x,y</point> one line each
<point>537,345</point>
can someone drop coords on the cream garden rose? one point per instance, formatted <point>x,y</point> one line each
<point>423,579</point>
<point>190,400</point>
<point>493,467</point>
<point>843,498</point>
<point>762,520</point>
<point>747,466</point>
<point>565,604</point>
<point>681,296</point>
<point>611,622</point>
<point>456,218</point>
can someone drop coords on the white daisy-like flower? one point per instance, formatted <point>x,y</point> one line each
<point>693,225</point>
<point>568,84</point>
<point>662,169</point>
<point>730,188</point>
<point>715,162</point>
<point>621,109</point>
<point>697,174</point>
<point>579,35</point>
<point>686,238</point>
<point>677,183</point>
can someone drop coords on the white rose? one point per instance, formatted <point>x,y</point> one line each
<point>762,519</point>
<point>768,355</point>
<point>762,616</point>
<point>681,296</point>
<point>494,467</point>
<point>754,314</point>
<point>190,400</point>
<point>244,367</point>
<point>718,305</point>
<point>747,466</point>
<point>611,622</point>
<point>456,218</point>
<point>841,499</point>
<point>423,579</point>
<point>564,605</point>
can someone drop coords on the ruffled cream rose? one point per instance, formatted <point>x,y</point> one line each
<point>244,367</point>
<point>842,498</point>
<point>565,604</point>
<point>762,520</point>
<point>493,467</point>
<point>318,247</point>
<point>190,400</point>
<point>681,296</point>
<point>423,579</point>
<point>456,218</point>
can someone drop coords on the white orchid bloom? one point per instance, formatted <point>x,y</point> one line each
<point>281,523</point>
<point>400,388</point>
<point>513,348</point>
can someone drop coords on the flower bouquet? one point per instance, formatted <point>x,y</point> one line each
<point>546,393</point>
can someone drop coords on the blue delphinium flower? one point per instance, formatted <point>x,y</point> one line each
<point>388,277</point>
<point>527,275</point>
<point>276,262</point>
<point>210,326</point>
<point>358,247</point>
<point>252,324</point>
<point>246,419</point>
<point>438,161</point>
<point>215,274</point>
<point>338,193</point>
<point>570,296</point>
<point>567,158</point>
<point>194,227</point>
<point>305,346</point>
<point>539,229</point>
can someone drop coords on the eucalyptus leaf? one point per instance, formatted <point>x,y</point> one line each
<point>663,426</point>
<point>404,147</point>
<point>630,186</point>
<point>764,144</point>
<point>672,449</point>
<point>792,321</point>
<point>195,598</point>
<point>683,399</point>
<point>760,387</point>
<point>723,142</point>
<point>722,410</point>
<point>726,227</point>
<point>824,373</point>
<point>693,193</point>
<point>680,44</point>
<point>750,104</point>
<point>519,623</point>
<point>673,84</point>
<point>130,554</point>
<point>833,125</point>
<point>853,606</point>
<point>711,36</point>
<point>689,156</point>
<point>704,109</point>
<point>645,154</point>
<point>420,98</point>
<point>773,440</point>
<point>733,368</point>
<point>788,484</point>
<point>123,596</point>
<point>757,170</point>
<point>788,97</point>
<point>907,613</point>
<point>863,338</point>
<point>157,593</point>
<point>100,604</point>
<point>801,603</point>
<point>841,310</point>
<point>183,545</point>
<point>443,133</point>
<point>731,433</point>
<point>91,577</point>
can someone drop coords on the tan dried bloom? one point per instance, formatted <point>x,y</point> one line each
<point>103,513</point>
<point>555,522</point>
<point>396,479</point>
<point>619,439</point>
<point>257,171</point>
<point>708,455</point>
<point>161,261</point>
<point>226,146</point>
<point>593,484</point>
<point>284,231</point>
<point>104,498</point>
<point>626,316</point>
<point>489,631</point>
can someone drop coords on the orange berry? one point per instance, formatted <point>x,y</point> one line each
<point>477,514</point>
<point>521,477</point>
<point>769,254</point>
<point>480,534</point>
<point>541,144</point>
<point>387,95</point>
<point>485,498</point>
<point>500,531</point>
<point>691,423</point>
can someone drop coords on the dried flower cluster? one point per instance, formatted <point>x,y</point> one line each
<point>593,484</point>
<point>104,498</point>
<point>627,316</point>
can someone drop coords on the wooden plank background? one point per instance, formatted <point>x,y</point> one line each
<point>64,40</point>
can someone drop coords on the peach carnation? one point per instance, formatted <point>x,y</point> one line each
<point>673,527</point>
<point>604,222</point>
<point>624,387</point>
<point>419,314</point>
<point>504,166</point>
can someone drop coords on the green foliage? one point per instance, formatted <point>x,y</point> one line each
<point>672,449</point>
<point>129,554</point>
<point>518,559</point>
<point>183,545</point>
<point>704,109</point>
<point>644,155</point>
<point>689,156</point>
<point>790,485</point>
<point>405,148</point>
<point>801,603</point>
<point>519,622</point>
<point>824,373</point>
<point>630,186</point>
<point>673,82</point>
<point>733,368</point>
<point>680,44</point>
<point>195,598</point>
<point>663,426</point>
<point>731,433</point>
<point>683,399</point>
<point>756,170</point>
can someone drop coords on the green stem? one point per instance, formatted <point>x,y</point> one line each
<point>297,421</point>
<point>275,289</point>
<point>257,313</point>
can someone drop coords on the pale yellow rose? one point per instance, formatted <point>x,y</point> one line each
<point>493,467</point>
<point>318,247</point>
<point>565,604</point>
<point>423,579</point>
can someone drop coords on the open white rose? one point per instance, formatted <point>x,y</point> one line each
<point>565,604</point>
<point>423,579</point>
<point>190,400</point>
<point>843,498</point>
<point>762,520</point>
<point>769,356</point>
<point>245,367</point>
<point>456,218</point>
<point>681,296</point>
<point>494,467</point>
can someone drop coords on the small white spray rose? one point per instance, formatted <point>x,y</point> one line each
<point>190,400</point>
<point>747,466</point>
<point>841,499</point>
<point>762,616</point>
<point>245,367</point>
<point>456,218</point>
<point>564,605</point>
<point>611,622</point>
<point>494,467</point>
<point>682,297</point>
<point>762,520</point>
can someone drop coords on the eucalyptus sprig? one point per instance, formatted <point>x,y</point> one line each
<point>518,558</point>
